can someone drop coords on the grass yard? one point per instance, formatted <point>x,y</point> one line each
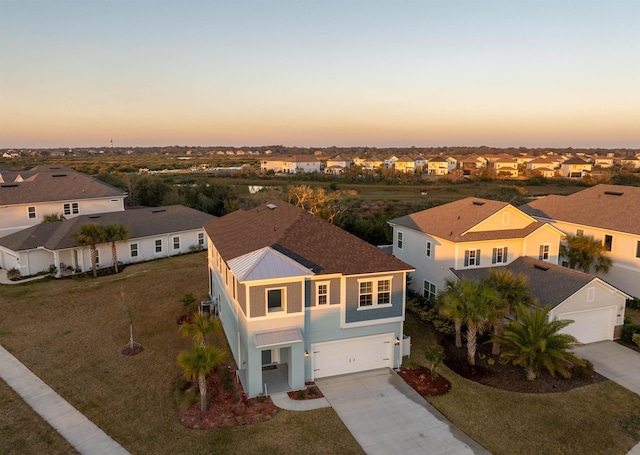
<point>71,332</point>
<point>603,418</point>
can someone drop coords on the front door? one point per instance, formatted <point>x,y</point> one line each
<point>266,357</point>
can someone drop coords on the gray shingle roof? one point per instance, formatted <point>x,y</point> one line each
<point>141,222</point>
<point>52,183</point>
<point>600,206</point>
<point>305,238</point>
<point>549,283</point>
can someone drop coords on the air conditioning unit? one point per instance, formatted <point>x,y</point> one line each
<point>206,306</point>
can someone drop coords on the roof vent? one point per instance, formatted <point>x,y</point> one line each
<point>541,267</point>
<point>614,193</point>
<point>59,175</point>
<point>94,216</point>
<point>9,185</point>
<point>158,210</point>
<point>478,203</point>
<point>271,206</point>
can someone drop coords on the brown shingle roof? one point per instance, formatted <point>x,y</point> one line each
<point>304,237</point>
<point>141,222</point>
<point>52,183</point>
<point>549,283</point>
<point>451,220</point>
<point>599,206</point>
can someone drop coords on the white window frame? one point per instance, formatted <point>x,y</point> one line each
<point>97,258</point>
<point>545,250</point>
<point>66,209</point>
<point>133,248</point>
<point>430,290</point>
<point>175,241</point>
<point>428,248</point>
<point>31,212</point>
<point>75,208</point>
<point>604,242</point>
<point>325,294</point>
<point>400,240</point>
<point>283,301</point>
<point>498,255</point>
<point>468,257</point>
<point>375,291</point>
<point>155,246</point>
<point>201,238</point>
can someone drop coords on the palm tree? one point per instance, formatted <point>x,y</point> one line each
<point>113,233</point>
<point>202,325</point>
<point>52,218</point>
<point>582,250</point>
<point>533,342</point>
<point>449,305</point>
<point>514,289</point>
<point>89,234</point>
<point>197,364</point>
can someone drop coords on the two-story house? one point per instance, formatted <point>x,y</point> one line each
<point>406,165</point>
<point>610,213</point>
<point>466,234</point>
<point>337,165</point>
<point>292,165</point>
<point>27,195</point>
<point>575,168</point>
<point>506,167</point>
<point>301,298</point>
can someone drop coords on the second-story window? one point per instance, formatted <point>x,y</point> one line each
<point>275,300</point>
<point>400,235</point>
<point>32,212</point>
<point>372,293</point>
<point>544,253</point>
<point>322,293</point>
<point>608,242</point>
<point>471,257</point>
<point>499,256</point>
<point>428,249</point>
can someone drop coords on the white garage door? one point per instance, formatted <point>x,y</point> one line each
<point>352,355</point>
<point>591,326</point>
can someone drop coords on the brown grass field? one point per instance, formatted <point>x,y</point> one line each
<point>71,332</point>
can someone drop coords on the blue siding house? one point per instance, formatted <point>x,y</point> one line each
<point>301,299</point>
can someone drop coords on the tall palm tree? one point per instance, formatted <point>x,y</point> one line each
<point>202,325</point>
<point>513,289</point>
<point>89,234</point>
<point>115,232</point>
<point>449,303</point>
<point>197,364</point>
<point>583,250</point>
<point>533,342</point>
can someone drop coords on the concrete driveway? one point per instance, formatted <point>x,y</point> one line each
<point>613,361</point>
<point>387,416</point>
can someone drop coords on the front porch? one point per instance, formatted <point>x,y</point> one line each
<point>275,379</point>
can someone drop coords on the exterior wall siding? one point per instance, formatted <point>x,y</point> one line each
<point>354,314</point>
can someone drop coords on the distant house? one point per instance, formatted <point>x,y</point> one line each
<point>405,165</point>
<point>292,165</point>
<point>506,168</point>
<point>545,166</point>
<point>595,307</point>
<point>155,232</point>
<point>27,195</point>
<point>337,165</point>
<point>302,299</point>
<point>438,166</point>
<point>603,161</point>
<point>632,163</point>
<point>610,213</point>
<point>575,168</point>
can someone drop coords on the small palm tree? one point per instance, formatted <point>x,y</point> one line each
<point>113,233</point>
<point>533,342</point>
<point>514,289</point>
<point>582,251</point>
<point>52,218</point>
<point>449,305</point>
<point>90,234</point>
<point>197,364</point>
<point>202,325</point>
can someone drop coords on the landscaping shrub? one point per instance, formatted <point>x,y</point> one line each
<point>628,331</point>
<point>634,303</point>
<point>13,274</point>
<point>636,339</point>
<point>582,372</point>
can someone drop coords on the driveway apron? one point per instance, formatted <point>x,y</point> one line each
<point>614,361</point>
<point>387,416</point>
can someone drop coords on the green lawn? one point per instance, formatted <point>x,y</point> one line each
<point>71,332</point>
<point>603,418</point>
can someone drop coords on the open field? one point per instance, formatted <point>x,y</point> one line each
<point>603,418</point>
<point>71,332</point>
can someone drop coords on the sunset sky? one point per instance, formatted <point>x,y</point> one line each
<point>531,73</point>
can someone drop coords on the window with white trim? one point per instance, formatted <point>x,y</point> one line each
<point>32,212</point>
<point>134,250</point>
<point>322,293</point>
<point>499,256</point>
<point>428,249</point>
<point>158,245</point>
<point>70,208</point>
<point>608,242</point>
<point>201,238</point>
<point>471,257</point>
<point>429,291</point>
<point>275,300</point>
<point>176,243</point>
<point>97,257</point>
<point>579,232</point>
<point>372,293</point>
<point>544,253</point>
<point>399,243</point>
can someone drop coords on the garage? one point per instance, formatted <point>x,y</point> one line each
<point>591,325</point>
<point>352,355</point>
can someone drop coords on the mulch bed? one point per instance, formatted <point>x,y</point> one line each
<point>228,405</point>
<point>310,393</point>
<point>507,376</point>
<point>128,350</point>
<point>420,380</point>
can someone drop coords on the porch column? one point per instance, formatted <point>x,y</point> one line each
<point>56,262</point>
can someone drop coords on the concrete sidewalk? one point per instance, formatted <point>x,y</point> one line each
<point>81,433</point>
<point>386,416</point>
<point>5,280</point>
<point>283,401</point>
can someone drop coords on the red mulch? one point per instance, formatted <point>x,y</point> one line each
<point>310,393</point>
<point>507,376</point>
<point>420,380</point>
<point>228,406</point>
<point>186,318</point>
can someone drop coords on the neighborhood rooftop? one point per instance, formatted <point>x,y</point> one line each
<point>301,236</point>
<point>611,207</point>
<point>141,222</point>
<point>51,183</point>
